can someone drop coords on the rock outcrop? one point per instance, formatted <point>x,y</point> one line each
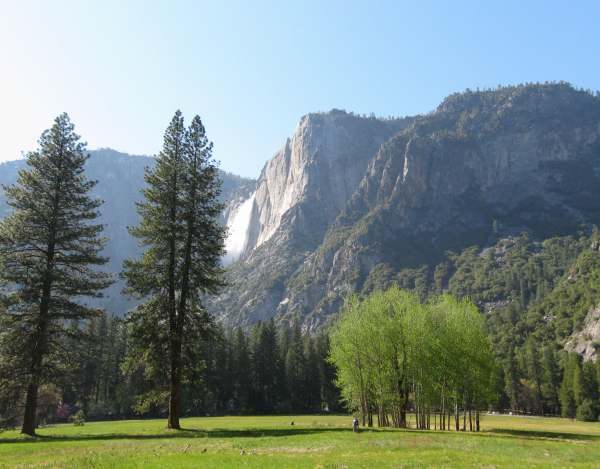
<point>586,342</point>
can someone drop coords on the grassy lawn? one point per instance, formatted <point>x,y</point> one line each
<point>312,442</point>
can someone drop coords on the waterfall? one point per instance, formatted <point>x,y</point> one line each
<point>237,227</point>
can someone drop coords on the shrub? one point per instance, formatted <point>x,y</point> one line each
<point>586,411</point>
<point>78,418</point>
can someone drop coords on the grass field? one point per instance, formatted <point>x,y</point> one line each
<point>312,442</point>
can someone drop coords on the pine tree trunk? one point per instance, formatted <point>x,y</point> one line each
<point>29,421</point>
<point>29,416</point>
<point>175,386</point>
<point>39,347</point>
<point>476,420</point>
<point>174,339</point>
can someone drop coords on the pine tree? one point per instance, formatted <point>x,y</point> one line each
<point>550,381</point>
<point>295,366</point>
<point>534,373</point>
<point>568,404</point>
<point>179,227</point>
<point>266,368</point>
<point>48,248</point>
<point>242,372</point>
<point>330,393</point>
<point>312,377</point>
<point>511,383</point>
<point>578,381</point>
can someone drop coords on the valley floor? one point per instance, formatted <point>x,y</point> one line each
<point>312,442</point>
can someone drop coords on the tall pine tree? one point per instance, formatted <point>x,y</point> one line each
<point>184,243</point>
<point>49,247</point>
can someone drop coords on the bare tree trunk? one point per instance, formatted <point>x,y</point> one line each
<point>363,414</point>
<point>442,414</point>
<point>470,420</point>
<point>476,420</point>
<point>456,417</point>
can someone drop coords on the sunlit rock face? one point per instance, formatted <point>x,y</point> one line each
<point>321,165</point>
<point>300,192</point>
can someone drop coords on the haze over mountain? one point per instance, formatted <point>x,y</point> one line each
<point>120,179</point>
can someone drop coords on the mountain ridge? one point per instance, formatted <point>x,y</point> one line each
<point>526,157</point>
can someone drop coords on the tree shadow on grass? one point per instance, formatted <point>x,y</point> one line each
<point>183,433</point>
<point>537,434</point>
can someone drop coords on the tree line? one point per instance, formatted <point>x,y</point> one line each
<point>396,354</point>
<point>265,369</point>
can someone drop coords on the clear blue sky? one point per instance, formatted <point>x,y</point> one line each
<point>251,69</point>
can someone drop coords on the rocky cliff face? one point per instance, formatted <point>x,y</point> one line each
<point>321,165</point>
<point>298,195</point>
<point>526,157</point>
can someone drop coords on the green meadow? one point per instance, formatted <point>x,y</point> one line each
<point>313,441</point>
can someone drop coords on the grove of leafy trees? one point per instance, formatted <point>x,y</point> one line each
<point>395,353</point>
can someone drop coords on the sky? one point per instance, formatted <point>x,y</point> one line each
<point>252,69</point>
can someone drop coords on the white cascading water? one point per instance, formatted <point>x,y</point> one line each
<point>237,227</point>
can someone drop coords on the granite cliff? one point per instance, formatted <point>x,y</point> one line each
<point>339,203</point>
